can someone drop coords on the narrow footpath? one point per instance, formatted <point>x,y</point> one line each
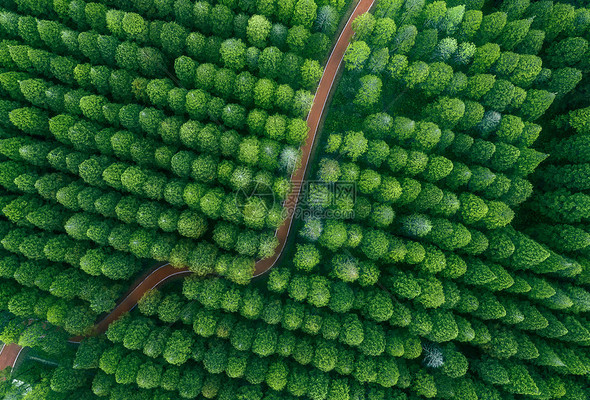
<point>313,122</point>
<point>167,272</point>
<point>8,355</point>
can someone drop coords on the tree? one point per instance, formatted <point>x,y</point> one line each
<point>276,377</point>
<point>252,57</point>
<point>326,20</point>
<point>564,80</point>
<point>264,93</point>
<point>446,112</point>
<point>185,69</point>
<point>178,347</point>
<point>210,203</point>
<point>397,66</point>
<point>526,71</point>
<point>472,208</point>
<point>369,181</point>
<point>378,151</point>
<point>201,12</point>
<point>439,76</point>
<point>374,341</point>
<point>514,32</point>
<point>134,26</point>
<point>379,306</point>
<point>64,380</point>
<point>265,341</point>
<point>32,121</point>
<point>242,336</point>
<point>383,216</point>
<point>510,128</point>
<point>224,81</point>
<point>579,118</point>
<point>478,85</point>
<point>275,127</point>
<point>258,30</point>
<point>298,38</point>
<point>302,102</point>
<point>405,38</point>
<point>532,42</point>
<point>202,168</point>
<point>298,287</point>
<point>415,74</point>
<point>464,53</point>
<point>247,243</point>
<point>236,365</point>
<point>304,13</point>
<point>363,26</point>
<point>215,359</point>
<point>491,26</point>
<point>492,371</point>
<point>149,375</point>
<point>567,52</point>
<point>306,257</point>
<point>500,95</point>
<point>356,55</point>
<point>383,32</point>
<point>333,235</point>
<point>222,19</point>
<point>173,37</point>
<point>269,62</point>
<point>369,92</point>
<point>536,103</point>
<point>318,385</point>
<point>354,145</point>
<point>215,108</point>
<point>365,369</point>
<point>378,61</point>
<point>319,293</point>
<point>444,49</point>
<point>311,72</point>
<point>520,380</point>
<point>136,332</point>
<point>272,315</point>
<point>257,118</point>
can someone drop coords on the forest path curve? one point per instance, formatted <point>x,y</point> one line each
<point>167,272</point>
<point>314,119</point>
<point>9,354</point>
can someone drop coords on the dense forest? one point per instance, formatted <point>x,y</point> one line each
<point>125,138</point>
<point>441,247</point>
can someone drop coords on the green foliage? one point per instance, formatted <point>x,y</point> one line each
<point>258,30</point>
<point>304,13</point>
<point>357,55</point>
<point>536,103</point>
<point>419,235</point>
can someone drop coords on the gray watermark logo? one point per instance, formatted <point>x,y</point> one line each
<point>258,192</point>
<point>306,199</point>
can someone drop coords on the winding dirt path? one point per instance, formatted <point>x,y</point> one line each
<point>167,272</point>
<point>9,354</point>
<point>157,277</point>
<point>313,122</point>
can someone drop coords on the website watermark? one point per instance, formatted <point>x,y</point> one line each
<point>308,199</point>
<point>305,214</point>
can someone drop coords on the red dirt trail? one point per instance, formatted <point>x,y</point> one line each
<point>167,272</point>
<point>313,122</point>
<point>9,355</point>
